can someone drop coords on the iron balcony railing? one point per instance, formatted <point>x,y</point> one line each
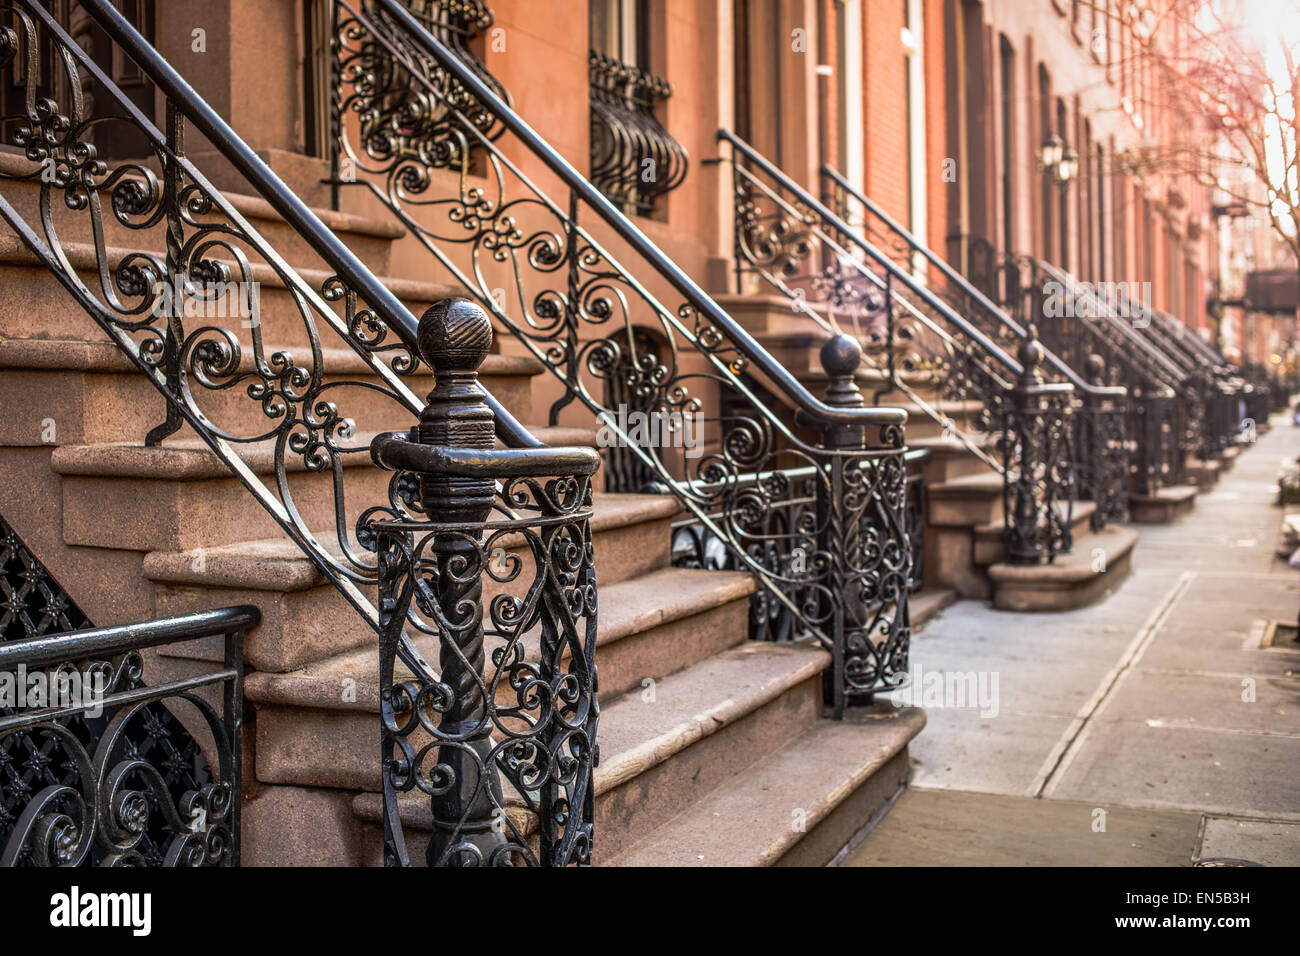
<point>118,781</point>
<point>548,271</point>
<point>634,160</point>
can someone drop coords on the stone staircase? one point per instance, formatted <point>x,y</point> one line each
<point>964,523</point>
<point>714,749</point>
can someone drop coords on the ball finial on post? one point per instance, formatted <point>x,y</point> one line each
<point>1031,354</point>
<point>840,357</point>
<point>454,337</point>
<point>1095,368</point>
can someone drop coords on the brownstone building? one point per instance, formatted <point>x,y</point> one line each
<point>736,312</point>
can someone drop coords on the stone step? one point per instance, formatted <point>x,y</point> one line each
<point>180,495</point>
<point>966,502</point>
<point>660,755</point>
<point>960,416</point>
<point>1203,474</point>
<point>954,509</point>
<point>1166,505</point>
<point>1096,565</point>
<point>990,538</point>
<point>305,618</point>
<point>792,335</point>
<point>176,498</point>
<point>951,458</point>
<point>309,735</point>
<point>100,396</point>
<point>370,238</point>
<point>35,291</point>
<point>798,806</point>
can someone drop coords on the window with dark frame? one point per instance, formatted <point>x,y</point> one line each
<point>635,161</point>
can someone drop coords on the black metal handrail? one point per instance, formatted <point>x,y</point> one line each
<point>283,199</point>
<point>791,388</point>
<point>1164,414</point>
<point>783,239</point>
<point>1106,318</point>
<point>602,328</point>
<point>120,638</point>
<point>115,802</point>
<point>777,243</point>
<point>302,425</point>
<point>991,348</point>
<point>993,310</point>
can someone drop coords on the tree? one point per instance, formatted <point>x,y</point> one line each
<point>1224,74</point>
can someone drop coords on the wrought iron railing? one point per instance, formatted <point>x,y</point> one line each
<point>1214,384</point>
<point>488,554</point>
<point>843,284</point>
<point>791,242</point>
<point>298,409</point>
<point>1161,349</point>
<point>1099,449</point>
<point>98,771</point>
<point>635,161</point>
<point>534,263</point>
<point>1084,329</point>
<point>1165,412</point>
<point>162,245</point>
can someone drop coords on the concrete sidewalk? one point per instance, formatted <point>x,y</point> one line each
<point>1151,728</point>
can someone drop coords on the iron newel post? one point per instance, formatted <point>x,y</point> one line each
<point>434,546</point>
<point>840,537</point>
<point>454,338</point>
<point>1028,408</point>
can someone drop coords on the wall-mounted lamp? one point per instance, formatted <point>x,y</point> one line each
<point>1050,153</point>
<point>1058,160</point>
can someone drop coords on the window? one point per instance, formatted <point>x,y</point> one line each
<point>1100,190</point>
<point>634,160</point>
<point>914,84</point>
<point>1045,130</point>
<point>1087,240</point>
<point>1007,65</point>
<point>1063,191</point>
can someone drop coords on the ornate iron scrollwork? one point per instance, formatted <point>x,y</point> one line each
<point>1080,324</point>
<point>838,280</point>
<point>397,122</point>
<point>1102,451</point>
<point>118,781</point>
<point>501,577</point>
<point>603,330</point>
<point>179,277</point>
<point>1038,495</point>
<point>634,160</point>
